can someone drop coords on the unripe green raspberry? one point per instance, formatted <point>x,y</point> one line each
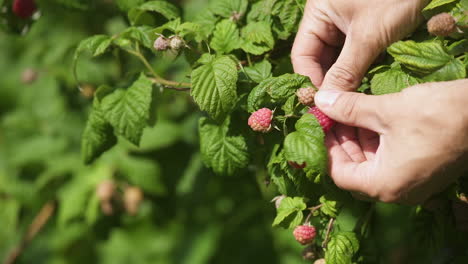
<point>320,261</point>
<point>133,196</point>
<point>442,25</point>
<point>306,96</point>
<point>176,43</point>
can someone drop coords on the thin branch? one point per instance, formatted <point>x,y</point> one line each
<point>178,86</point>
<point>34,228</point>
<point>327,235</point>
<point>312,210</point>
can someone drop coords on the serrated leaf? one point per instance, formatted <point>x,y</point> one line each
<point>143,35</point>
<point>423,58</point>
<point>168,10</point>
<point>226,8</point>
<point>391,81</point>
<point>98,136</point>
<point>279,88</point>
<point>257,38</point>
<point>214,87</point>
<point>259,71</point>
<point>95,45</point>
<point>288,207</point>
<point>437,3</point>
<point>453,70</point>
<point>330,205</point>
<point>306,145</point>
<point>225,37</point>
<point>289,15</point>
<point>223,153</point>
<point>128,110</point>
<point>341,248</point>
<point>207,21</point>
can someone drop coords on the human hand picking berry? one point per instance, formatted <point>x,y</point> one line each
<point>360,29</point>
<point>413,143</point>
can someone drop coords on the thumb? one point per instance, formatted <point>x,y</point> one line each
<point>352,64</point>
<point>353,109</point>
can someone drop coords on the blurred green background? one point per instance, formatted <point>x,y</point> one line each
<point>188,215</point>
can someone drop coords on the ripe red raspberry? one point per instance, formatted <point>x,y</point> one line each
<point>295,165</point>
<point>260,120</point>
<point>306,96</point>
<point>24,8</point>
<point>441,25</point>
<point>161,43</point>
<point>304,234</point>
<point>326,122</point>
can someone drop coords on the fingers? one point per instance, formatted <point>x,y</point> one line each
<point>355,109</point>
<point>348,138</point>
<point>357,55</point>
<point>314,47</point>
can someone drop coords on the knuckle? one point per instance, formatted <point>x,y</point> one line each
<point>350,107</point>
<point>343,77</point>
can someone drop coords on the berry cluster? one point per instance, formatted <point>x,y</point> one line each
<point>174,43</point>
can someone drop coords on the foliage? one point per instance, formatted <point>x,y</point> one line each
<point>174,124</point>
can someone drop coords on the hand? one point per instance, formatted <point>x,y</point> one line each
<point>361,29</point>
<point>414,143</point>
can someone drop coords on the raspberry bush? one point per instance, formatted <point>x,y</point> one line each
<point>157,131</point>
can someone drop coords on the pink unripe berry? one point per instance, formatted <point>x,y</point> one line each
<point>161,43</point>
<point>305,234</point>
<point>260,120</point>
<point>176,43</point>
<point>306,96</point>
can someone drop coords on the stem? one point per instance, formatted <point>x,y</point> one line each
<point>179,86</point>
<point>312,210</point>
<point>327,235</point>
<point>37,224</point>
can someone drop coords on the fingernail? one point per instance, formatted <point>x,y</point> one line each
<point>326,98</point>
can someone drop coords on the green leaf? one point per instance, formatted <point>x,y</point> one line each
<point>143,35</point>
<point>437,3</point>
<point>423,58</point>
<point>257,38</point>
<point>214,87</point>
<point>168,10</point>
<point>306,145</point>
<point>220,151</point>
<point>126,5</point>
<point>225,37</point>
<point>453,70</point>
<point>279,88</point>
<point>290,206</point>
<point>95,45</point>
<point>341,248</point>
<point>128,110</point>
<point>330,204</point>
<point>98,136</point>
<point>391,81</point>
<point>289,15</point>
<point>259,71</point>
<point>226,8</point>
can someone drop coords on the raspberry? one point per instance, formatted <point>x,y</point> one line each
<point>24,8</point>
<point>441,25</point>
<point>161,43</point>
<point>105,190</point>
<point>304,234</point>
<point>320,261</point>
<point>260,120</point>
<point>133,196</point>
<point>309,253</point>
<point>28,76</point>
<point>176,42</point>
<point>323,119</point>
<point>306,96</point>
<point>295,165</point>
